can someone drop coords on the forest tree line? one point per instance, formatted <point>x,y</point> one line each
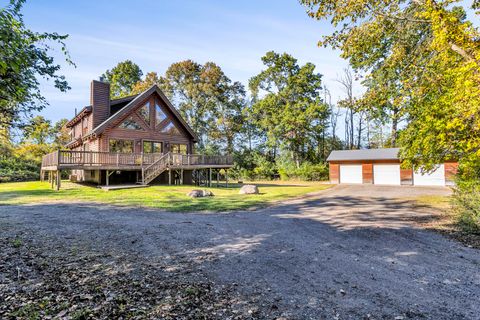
<point>283,125</point>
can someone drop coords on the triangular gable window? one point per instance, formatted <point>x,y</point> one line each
<point>130,123</point>
<point>171,129</point>
<point>144,112</point>
<point>159,114</point>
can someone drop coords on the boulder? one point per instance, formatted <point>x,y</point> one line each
<point>248,189</point>
<point>200,193</point>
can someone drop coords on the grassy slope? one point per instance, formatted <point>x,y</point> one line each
<point>172,198</point>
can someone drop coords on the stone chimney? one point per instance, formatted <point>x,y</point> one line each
<point>100,101</point>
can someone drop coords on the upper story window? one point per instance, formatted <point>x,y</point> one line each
<point>130,123</point>
<point>159,114</point>
<point>171,129</point>
<point>144,112</point>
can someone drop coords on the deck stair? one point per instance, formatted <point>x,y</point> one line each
<point>152,171</point>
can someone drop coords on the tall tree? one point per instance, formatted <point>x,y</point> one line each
<point>206,98</point>
<point>122,78</point>
<point>420,59</point>
<point>150,79</point>
<point>230,116</point>
<point>288,104</point>
<point>24,59</point>
<point>61,133</point>
<point>38,131</point>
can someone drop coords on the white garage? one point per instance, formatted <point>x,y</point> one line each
<point>388,174</point>
<point>434,178</point>
<point>383,167</point>
<point>351,173</point>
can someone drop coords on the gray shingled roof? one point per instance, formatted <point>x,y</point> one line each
<point>366,154</point>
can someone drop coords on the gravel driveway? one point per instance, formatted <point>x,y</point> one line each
<point>350,252</point>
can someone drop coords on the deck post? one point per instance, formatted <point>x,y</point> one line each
<point>218,177</point>
<point>59,179</point>
<point>106,180</point>
<point>209,177</point>
<point>226,177</point>
<point>118,158</point>
<point>169,176</point>
<point>51,178</point>
<point>181,176</point>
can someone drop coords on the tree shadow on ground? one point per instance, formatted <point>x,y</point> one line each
<point>342,256</point>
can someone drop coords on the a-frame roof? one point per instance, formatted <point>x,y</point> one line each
<point>132,104</point>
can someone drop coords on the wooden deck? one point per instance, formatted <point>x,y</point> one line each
<point>92,160</point>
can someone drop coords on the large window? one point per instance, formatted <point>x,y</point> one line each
<point>124,146</point>
<point>171,129</point>
<point>144,112</point>
<point>130,123</point>
<point>159,114</point>
<point>152,147</point>
<point>178,148</point>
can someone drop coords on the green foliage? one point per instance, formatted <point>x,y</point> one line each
<point>38,131</point>
<point>287,104</point>
<point>264,168</point>
<point>420,63</point>
<point>211,104</point>
<point>288,170</point>
<point>18,169</point>
<point>21,162</point>
<point>122,78</point>
<point>150,79</point>
<point>24,58</point>
<point>466,198</point>
<point>467,204</point>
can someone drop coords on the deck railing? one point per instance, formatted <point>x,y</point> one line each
<point>94,158</point>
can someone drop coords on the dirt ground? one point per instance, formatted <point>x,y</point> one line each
<point>350,252</point>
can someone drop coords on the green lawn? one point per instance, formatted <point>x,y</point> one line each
<point>172,198</point>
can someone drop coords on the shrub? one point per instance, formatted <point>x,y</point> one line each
<point>18,169</point>
<point>466,202</point>
<point>307,171</point>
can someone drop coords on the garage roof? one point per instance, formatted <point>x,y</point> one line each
<point>366,154</point>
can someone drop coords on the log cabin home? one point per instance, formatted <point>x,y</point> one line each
<point>140,139</point>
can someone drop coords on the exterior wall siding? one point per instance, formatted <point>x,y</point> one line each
<point>451,169</point>
<point>334,171</point>
<point>367,173</point>
<point>406,175</point>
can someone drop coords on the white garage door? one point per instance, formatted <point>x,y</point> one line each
<point>434,178</point>
<point>351,174</point>
<point>386,174</point>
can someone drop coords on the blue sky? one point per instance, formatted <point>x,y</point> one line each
<point>155,34</point>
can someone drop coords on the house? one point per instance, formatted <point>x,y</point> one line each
<point>137,139</point>
<point>382,167</point>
